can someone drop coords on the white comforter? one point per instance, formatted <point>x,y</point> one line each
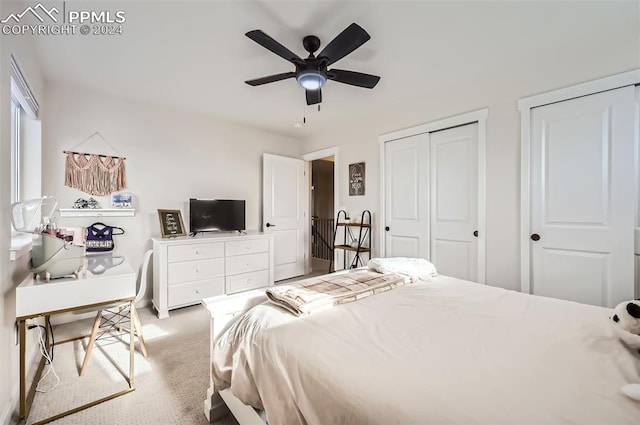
<point>442,352</point>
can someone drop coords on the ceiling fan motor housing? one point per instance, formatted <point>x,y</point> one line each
<point>311,43</point>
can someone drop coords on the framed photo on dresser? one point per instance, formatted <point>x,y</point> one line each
<point>171,224</point>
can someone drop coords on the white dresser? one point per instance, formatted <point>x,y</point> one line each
<point>188,269</point>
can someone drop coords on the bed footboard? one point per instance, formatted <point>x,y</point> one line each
<point>222,310</point>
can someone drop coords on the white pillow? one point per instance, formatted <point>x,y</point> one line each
<point>417,268</point>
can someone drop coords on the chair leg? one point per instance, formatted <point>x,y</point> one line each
<point>135,322</point>
<point>92,340</point>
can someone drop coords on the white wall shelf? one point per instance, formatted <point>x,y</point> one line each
<point>98,212</point>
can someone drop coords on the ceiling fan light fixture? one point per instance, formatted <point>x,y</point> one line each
<point>311,80</point>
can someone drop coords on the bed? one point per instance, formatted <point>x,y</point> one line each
<point>444,351</point>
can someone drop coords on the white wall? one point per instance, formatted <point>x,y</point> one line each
<point>537,68</point>
<point>11,273</point>
<point>172,155</point>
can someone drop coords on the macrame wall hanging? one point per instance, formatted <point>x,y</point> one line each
<point>95,174</point>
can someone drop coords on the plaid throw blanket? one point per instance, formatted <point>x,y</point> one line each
<point>317,293</point>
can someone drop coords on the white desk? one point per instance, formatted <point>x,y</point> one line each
<point>36,298</point>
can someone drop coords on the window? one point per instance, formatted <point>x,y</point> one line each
<point>26,151</point>
<point>24,140</point>
<point>16,111</point>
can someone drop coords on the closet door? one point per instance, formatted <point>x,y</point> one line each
<point>454,201</point>
<point>406,197</point>
<point>582,198</point>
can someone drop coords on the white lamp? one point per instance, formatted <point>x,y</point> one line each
<point>311,80</point>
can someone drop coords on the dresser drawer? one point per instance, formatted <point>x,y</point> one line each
<point>247,263</point>
<point>249,246</point>
<point>195,251</point>
<point>189,271</point>
<point>192,293</point>
<point>247,281</point>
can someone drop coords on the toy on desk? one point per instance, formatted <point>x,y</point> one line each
<point>52,254</point>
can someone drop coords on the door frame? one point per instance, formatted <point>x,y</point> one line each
<point>308,157</point>
<point>525,105</point>
<point>479,116</point>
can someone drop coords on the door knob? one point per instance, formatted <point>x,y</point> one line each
<point>270,225</point>
<point>475,233</point>
<point>535,237</point>
<point>387,228</point>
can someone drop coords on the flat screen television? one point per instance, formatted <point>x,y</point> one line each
<point>216,215</point>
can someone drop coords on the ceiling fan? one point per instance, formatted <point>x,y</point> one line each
<point>311,73</point>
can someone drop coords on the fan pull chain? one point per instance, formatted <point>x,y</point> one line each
<point>304,113</point>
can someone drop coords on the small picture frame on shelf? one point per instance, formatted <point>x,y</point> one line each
<point>121,200</point>
<point>171,224</point>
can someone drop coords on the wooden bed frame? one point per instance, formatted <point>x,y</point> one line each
<point>222,310</point>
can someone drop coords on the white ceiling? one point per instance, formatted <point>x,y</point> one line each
<point>194,55</point>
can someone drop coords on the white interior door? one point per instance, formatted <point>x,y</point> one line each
<point>284,200</point>
<point>582,198</point>
<point>454,201</point>
<point>406,191</point>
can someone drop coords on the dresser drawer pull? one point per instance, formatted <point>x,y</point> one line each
<point>197,252</point>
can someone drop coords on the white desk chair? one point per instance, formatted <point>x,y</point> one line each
<point>116,317</point>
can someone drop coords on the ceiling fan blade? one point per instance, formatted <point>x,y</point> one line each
<point>344,43</point>
<point>314,96</point>
<point>270,44</point>
<point>354,78</point>
<point>271,78</point>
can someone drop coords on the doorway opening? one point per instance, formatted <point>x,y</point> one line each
<point>322,197</point>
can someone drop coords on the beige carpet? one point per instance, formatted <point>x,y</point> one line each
<point>170,384</point>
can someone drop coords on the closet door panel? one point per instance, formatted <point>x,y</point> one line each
<point>583,198</point>
<point>406,193</point>
<point>454,201</point>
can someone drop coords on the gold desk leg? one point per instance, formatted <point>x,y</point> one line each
<point>26,396</point>
<point>47,332</point>
<point>23,383</point>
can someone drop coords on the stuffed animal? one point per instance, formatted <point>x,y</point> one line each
<point>627,317</point>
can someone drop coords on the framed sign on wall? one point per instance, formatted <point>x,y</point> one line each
<point>356,179</point>
<point>171,224</point>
